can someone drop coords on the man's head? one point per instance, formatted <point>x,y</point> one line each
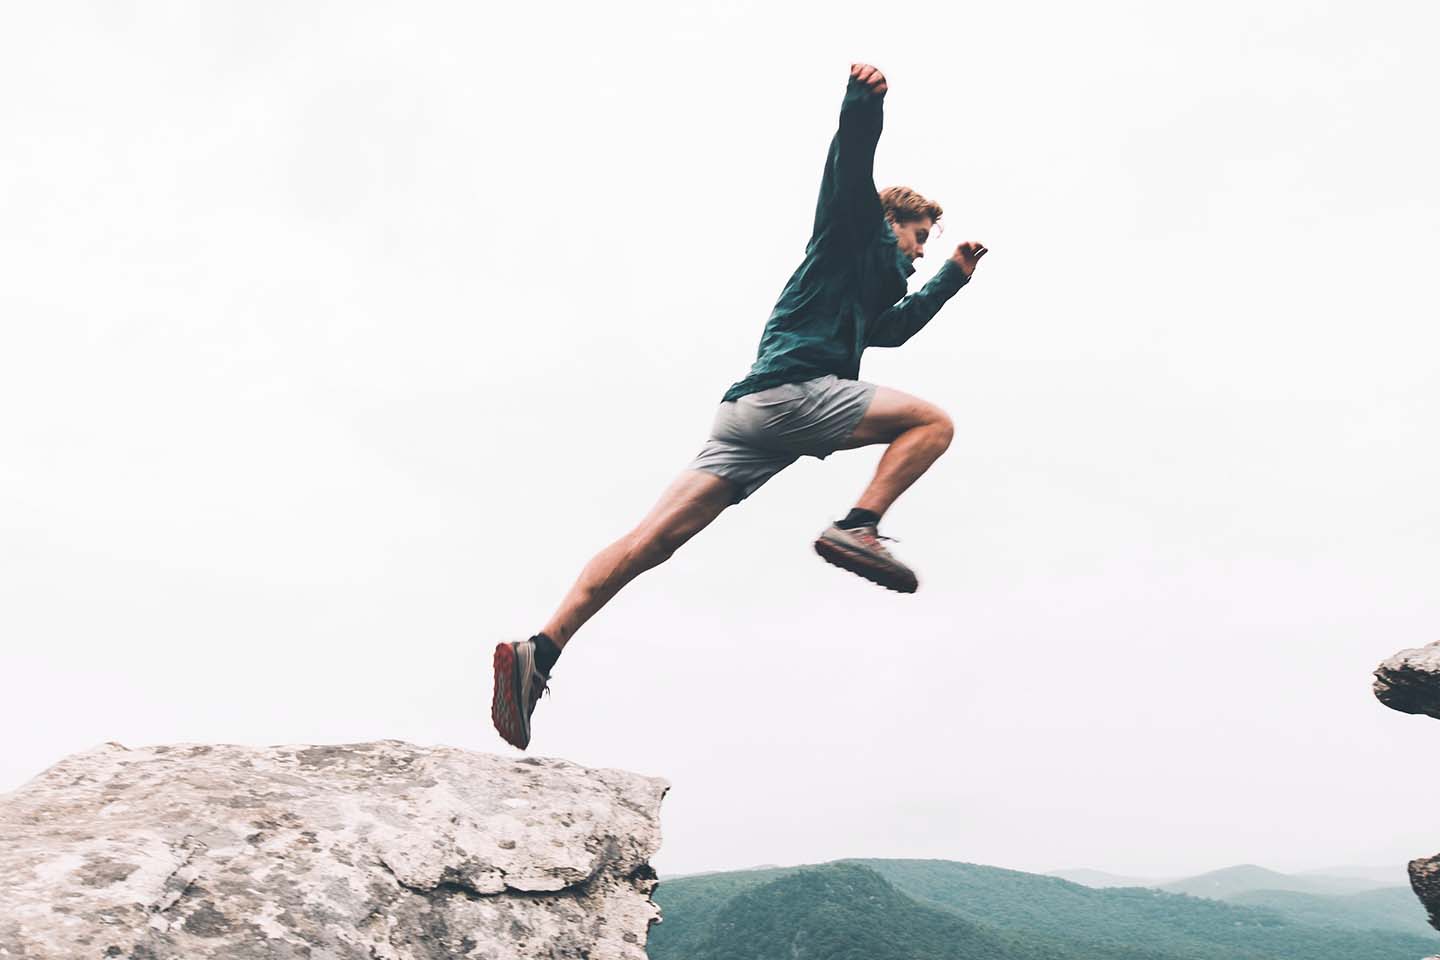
<point>911,216</point>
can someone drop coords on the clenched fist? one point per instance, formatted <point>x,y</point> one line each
<point>870,76</point>
<point>968,254</point>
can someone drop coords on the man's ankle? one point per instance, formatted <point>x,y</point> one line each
<point>547,651</point>
<point>858,518</point>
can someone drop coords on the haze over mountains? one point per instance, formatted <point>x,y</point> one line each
<point>1349,897</point>
<point>900,909</point>
<point>1227,883</point>
<point>1245,877</point>
<point>1100,879</point>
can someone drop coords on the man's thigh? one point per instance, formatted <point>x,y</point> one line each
<point>890,414</point>
<point>688,506</point>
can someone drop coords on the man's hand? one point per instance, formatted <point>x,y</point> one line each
<point>967,255</point>
<point>870,76</point>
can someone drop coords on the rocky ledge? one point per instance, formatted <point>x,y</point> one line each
<point>1410,681</point>
<point>1425,881</point>
<point>371,851</point>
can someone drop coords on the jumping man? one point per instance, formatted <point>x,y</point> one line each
<point>802,397</point>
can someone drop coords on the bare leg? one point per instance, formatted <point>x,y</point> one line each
<point>917,432</point>
<point>687,507</point>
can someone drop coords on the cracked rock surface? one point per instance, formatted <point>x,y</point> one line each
<point>372,851</point>
<point>1410,681</point>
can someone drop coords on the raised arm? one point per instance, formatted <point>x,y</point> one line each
<point>848,204</point>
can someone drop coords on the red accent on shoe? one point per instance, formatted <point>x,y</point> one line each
<point>503,710</point>
<point>863,566</point>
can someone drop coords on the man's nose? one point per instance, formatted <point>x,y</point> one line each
<point>919,251</point>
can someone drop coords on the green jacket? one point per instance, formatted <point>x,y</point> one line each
<point>843,297</point>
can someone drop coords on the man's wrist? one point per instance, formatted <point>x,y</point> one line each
<point>859,90</point>
<point>951,263</point>
<point>952,274</point>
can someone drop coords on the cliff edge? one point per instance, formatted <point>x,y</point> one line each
<point>372,851</point>
<point>1410,682</point>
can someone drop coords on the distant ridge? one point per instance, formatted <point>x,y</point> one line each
<point>1100,880</point>
<point>1388,908</point>
<point>1232,881</point>
<point>1393,875</point>
<point>843,910</point>
<point>1226,883</point>
<point>945,910</point>
<point>1348,897</point>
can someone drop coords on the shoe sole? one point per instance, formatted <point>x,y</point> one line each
<point>864,566</point>
<point>504,711</point>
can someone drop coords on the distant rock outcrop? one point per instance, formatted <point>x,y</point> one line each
<point>1425,878</point>
<point>371,851</point>
<point>1410,682</point>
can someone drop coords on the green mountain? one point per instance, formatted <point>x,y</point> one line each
<point>1227,883</point>
<point>841,912</point>
<point>837,911</point>
<point>690,904</point>
<point>1346,898</point>
<point>941,910</point>
<point>1391,908</point>
<point>1177,925</point>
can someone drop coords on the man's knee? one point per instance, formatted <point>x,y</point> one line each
<point>944,428</point>
<point>939,426</point>
<point>663,547</point>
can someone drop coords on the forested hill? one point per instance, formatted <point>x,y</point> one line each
<point>942,910</point>
<point>840,911</point>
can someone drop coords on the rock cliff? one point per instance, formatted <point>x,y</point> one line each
<point>372,851</point>
<point>1425,881</point>
<point>1410,682</point>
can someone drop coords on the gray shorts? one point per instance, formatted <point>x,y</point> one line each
<point>760,434</point>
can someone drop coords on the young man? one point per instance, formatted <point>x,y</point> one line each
<point>802,397</point>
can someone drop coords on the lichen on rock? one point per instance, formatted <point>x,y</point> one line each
<point>380,851</point>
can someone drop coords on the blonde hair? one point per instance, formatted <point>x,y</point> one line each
<point>904,205</point>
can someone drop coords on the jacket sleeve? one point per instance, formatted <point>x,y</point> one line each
<point>902,321</point>
<point>848,204</point>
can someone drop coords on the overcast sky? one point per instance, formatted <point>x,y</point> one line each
<point>337,336</point>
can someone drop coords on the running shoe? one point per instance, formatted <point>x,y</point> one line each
<point>860,550</point>
<point>518,687</point>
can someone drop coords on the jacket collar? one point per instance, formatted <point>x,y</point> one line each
<point>906,264</point>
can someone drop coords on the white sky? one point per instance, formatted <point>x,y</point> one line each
<point>337,336</point>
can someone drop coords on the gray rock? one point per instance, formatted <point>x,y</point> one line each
<point>1425,881</point>
<point>1410,681</point>
<point>371,851</point>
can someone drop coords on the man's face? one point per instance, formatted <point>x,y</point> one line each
<point>912,235</point>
